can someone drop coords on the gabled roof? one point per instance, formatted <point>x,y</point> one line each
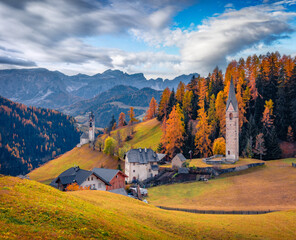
<point>75,174</point>
<point>107,174</point>
<point>161,156</point>
<point>143,156</point>
<point>84,136</point>
<point>231,97</point>
<point>180,156</point>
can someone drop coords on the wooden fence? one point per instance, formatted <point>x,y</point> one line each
<point>217,211</point>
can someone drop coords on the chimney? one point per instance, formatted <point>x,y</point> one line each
<point>145,149</point>
<point>140,150</point>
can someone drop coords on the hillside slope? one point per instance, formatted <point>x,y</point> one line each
<point>30,210</point>
<point>146,134</point>
<point>31,136</point>
<point>270,187</point>
<point>84,157</point>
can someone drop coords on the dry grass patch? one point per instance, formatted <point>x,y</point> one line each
<point>270,187</point>
<point>30,210</point>
<point>83,157</point>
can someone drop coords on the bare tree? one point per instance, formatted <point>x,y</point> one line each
<point>260,145</point>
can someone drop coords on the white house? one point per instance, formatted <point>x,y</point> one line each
<point>141,164</point>
<point>82,177</point>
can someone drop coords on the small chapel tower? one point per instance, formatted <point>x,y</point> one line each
<point>91,127</point>
<point>232,125</point>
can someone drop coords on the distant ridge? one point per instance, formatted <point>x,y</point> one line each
<point>41,87</point>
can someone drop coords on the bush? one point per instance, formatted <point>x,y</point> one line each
<point>219,146</point>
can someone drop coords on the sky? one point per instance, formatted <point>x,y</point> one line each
<point>160,38</point>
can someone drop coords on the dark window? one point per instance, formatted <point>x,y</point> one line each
<point>228,152</point>
<point>133,170</point>
<point>116,176</point>
<point>149,170</point>
<point>230,116</point>
<point>92,178</point>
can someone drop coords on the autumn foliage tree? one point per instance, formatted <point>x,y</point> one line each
<point>219,146</point>
<point>132,116</point>
<point>164,103</point>
<point>174,131</point>
<point>152,110</point>
<point>121,120</point>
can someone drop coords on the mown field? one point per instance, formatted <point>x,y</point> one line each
<point>31,210</point>
<point>146,134</point>
<point>269,187</point>
<point>83,157</point>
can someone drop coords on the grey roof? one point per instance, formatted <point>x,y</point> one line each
<point>183,170</point>
<point>119,191</point>
<point>107,174</point>
<point>180,156</point>
<point>161,156</point>
<point>84,135</point>
<point>75,174</point>
<point>142,156</point>
<point>231,97</point>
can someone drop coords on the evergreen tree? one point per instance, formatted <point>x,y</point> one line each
<point>171,104</point>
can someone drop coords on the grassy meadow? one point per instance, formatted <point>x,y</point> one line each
<point>31,210</point>
<point>84,157</point>
<point>146,134</point>
<point>269,187</point>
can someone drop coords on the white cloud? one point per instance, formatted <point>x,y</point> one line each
<point>50,33</point>
<point>211,43</point>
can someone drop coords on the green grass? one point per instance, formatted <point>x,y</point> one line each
<point>83,157</point>
<point>146,134</point>
<point>269,187</point>
<point>30,210</point>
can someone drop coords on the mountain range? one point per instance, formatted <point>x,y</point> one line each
<point>106,94</point>
<point>52,89</point>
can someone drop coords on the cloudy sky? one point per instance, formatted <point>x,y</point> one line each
<point>160,38</point>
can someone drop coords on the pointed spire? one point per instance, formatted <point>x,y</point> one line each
<point>231,97</point>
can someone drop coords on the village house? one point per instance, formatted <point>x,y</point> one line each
<point>116,178</point>
<point>178,161</point>
<point>141,164</point>
<point>98,179</point>
<point>82,177</point>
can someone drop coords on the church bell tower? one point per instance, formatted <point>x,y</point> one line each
<point>91,127</point>
<point>232,125</point>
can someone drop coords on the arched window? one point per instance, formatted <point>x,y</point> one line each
<point>228,152</point>
<point>230,116</point>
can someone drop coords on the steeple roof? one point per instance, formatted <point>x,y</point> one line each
<point>231,97</point>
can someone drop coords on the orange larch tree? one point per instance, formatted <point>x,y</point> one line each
<point>174,134</point>
<point>267,118</point>
<point>164,102</point>
<point>152,110</point>
<point>121,120</point>
<point>220,112</point>
<point>132,116</point>
<point>180,92</point>
<point>203,131</point>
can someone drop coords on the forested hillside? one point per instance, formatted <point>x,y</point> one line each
<point>30,136</point>
<point>193,118</point>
